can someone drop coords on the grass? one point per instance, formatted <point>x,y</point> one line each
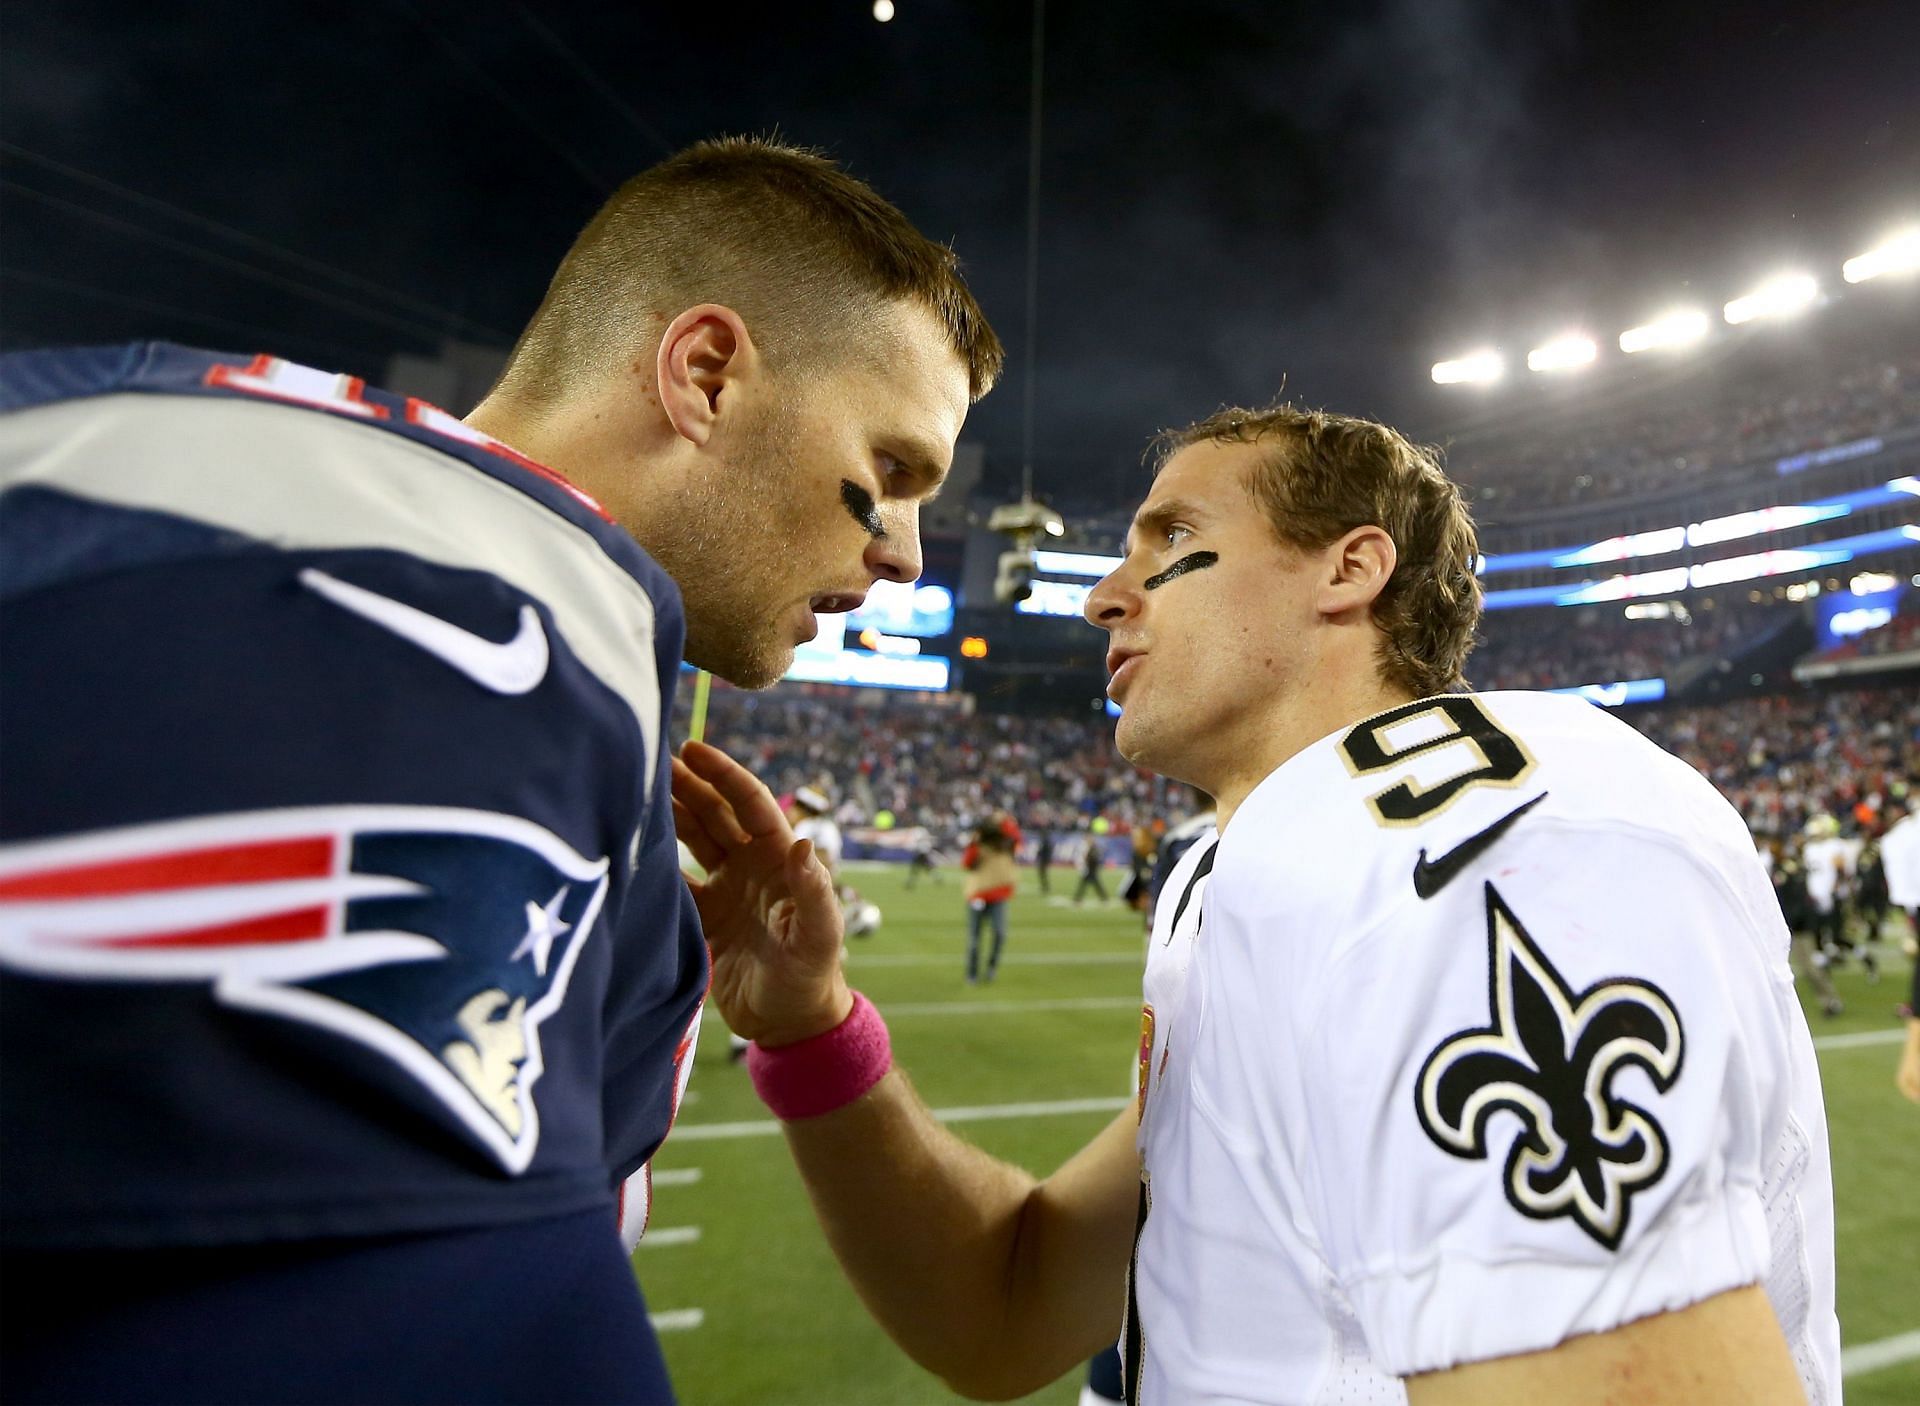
<point>782,1328</point>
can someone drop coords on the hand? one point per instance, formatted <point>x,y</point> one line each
<point>768,905</point>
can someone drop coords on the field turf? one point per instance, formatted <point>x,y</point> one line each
<point>754,1312</point>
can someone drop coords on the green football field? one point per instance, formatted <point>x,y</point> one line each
<point>754,1312</point>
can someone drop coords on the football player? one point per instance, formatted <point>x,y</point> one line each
<point>1471,1068</point>
<point>348,976</point>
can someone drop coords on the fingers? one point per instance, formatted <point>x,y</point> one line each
<point>705,805</point>
<point>818,919</point>
<point>751,802</point>
<point>706,850</point>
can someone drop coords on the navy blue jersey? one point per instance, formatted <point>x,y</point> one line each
<point>338,887</point>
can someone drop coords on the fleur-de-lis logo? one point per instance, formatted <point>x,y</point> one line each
<point>1549,1058</point>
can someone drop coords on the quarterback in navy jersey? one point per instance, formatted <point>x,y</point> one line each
<point>349,976</point>
<point>334,786</point>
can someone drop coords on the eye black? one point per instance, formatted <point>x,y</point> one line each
<point>859,503</point>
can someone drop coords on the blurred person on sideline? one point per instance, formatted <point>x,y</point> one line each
<point>921,860</point>
<point>1471,1067</point>
<point>1809,959</point>
<point>1143,844</point>
<point>1092,859</point>
<point>1043,857</point>
<point>992,879</point>
<point>350,983</point>
<point>1900,857</point>
<point>1832,863</point>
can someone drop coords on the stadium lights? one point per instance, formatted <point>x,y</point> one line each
<point>1782,296</point>
<point>1568,353</point>
<point>1900,254</point>
<point>883,10</point>
<point>1481,368</point>
<point>1679,328</point>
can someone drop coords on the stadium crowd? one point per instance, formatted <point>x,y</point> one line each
<point>1567,648</point>
<point>1678,436</point>
<point>1780,760</point>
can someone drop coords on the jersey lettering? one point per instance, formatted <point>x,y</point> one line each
<point>1441,747</point>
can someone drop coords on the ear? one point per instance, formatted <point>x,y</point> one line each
<point>704,353</point>
<point>1356,570</point>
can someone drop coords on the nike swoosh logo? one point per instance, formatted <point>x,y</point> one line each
<point>1430,877</point>
<point>514,667</point>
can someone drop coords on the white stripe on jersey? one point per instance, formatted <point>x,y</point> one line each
<point>302,481</point>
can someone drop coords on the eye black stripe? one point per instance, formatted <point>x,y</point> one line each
<point>859,503</point>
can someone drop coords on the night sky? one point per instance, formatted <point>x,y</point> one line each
<point>1235,195</point>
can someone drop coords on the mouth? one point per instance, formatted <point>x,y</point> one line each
<point>1122,664</point>
<point>838,602</point>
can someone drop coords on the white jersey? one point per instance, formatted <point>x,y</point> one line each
<point>1900,859</point>
<point>825,834</point>
<point>1476,1034</point>
<point>1831,865</point>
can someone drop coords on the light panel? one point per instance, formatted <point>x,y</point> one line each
<point>1899,254</point>
<point>1680,328</point>
<point>1568,353</point>
<point>1782,296</point>
<point>1481,368</point>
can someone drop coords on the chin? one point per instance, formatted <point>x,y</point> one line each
<point>1132,741</point>
<point>750,664</point>
<point>1140,746</point>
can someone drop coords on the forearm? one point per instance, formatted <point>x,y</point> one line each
<point>987,1277</point>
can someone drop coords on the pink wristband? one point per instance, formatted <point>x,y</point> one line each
<point>827,1072</point>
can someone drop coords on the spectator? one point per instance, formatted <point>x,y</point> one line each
<point>992,877</point>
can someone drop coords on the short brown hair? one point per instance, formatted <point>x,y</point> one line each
<point>1325,475</point>
<point>799,248</point>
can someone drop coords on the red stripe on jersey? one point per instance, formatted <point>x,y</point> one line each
<point>300,925</point>
<point>185,869</point>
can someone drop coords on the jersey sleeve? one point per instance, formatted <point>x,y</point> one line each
<point>1540,1105</point>
<point>336,770</point>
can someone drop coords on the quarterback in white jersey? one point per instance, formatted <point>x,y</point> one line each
<point>1471,1067</point>
<point>1472,1035</point>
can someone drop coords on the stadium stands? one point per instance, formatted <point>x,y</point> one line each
<point>1778,758</point>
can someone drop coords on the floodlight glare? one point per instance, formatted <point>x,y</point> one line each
<point>1476,368</point>
<point>1783,296</point>
<point>1679,328</point>
<point>1567,353</point>
<point>1900,254</point>
<point>883,10</point>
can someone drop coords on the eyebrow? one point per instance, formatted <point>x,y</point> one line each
<point>921,459</point>
<point>1158,516</point>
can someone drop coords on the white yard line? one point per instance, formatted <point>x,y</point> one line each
<point>1064,1003</point>
<point>677,1320</point>
<point>767,1127</point>
<point>1021,959</point>
<point>680,1176</point>
<point>669,1235</point>
<point>1862,1358</point>
<point>1858,1038</point>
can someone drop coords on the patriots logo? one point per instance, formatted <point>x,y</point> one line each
<point>439,938</point>
<point>1549,1058</point>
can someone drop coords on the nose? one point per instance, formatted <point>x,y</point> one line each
<point>896,555</point>
<point>1113,602</point>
